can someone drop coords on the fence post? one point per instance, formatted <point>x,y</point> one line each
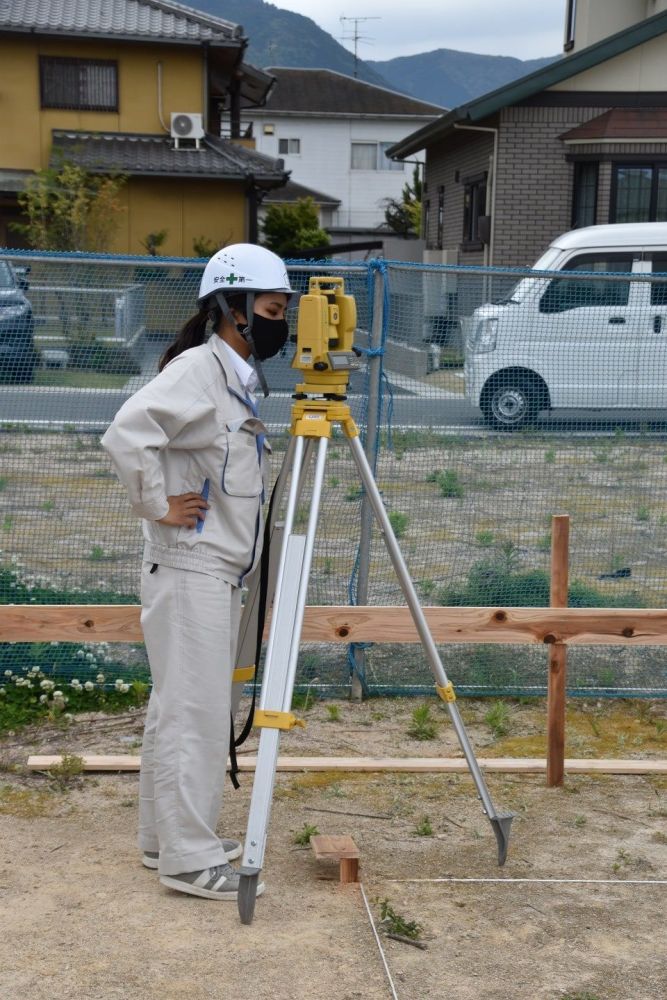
<point>560,533</point>
<point>375,362</point>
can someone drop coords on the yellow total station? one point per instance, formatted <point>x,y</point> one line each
<point>325,331</point>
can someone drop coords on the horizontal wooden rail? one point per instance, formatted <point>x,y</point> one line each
<point>414,765</point>
<point>521,626</point>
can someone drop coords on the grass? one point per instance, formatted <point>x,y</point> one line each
<point>302,837</point>
<point>398,521</point>
<point>422,725</point>
<point>498,719</point>
<point>424,827</point>
<point>78,379</point>
<point>333,713</point>
<point>394,923</point>
<point>448,482</point>
<point>67,772</point>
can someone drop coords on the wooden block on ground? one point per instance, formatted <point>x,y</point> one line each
<point>342,849</point>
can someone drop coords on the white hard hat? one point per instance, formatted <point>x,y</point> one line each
<point>244,267</point>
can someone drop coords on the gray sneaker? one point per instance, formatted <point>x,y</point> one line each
<point>232,848</point>
<point>221,882</point>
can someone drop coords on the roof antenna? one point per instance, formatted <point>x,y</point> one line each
<point>356,37</point>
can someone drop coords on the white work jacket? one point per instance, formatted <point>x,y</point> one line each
<point>193,429</point>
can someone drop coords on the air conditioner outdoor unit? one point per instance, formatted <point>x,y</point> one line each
<point>186,125</point>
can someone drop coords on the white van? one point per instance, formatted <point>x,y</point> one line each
<point>573,343</point>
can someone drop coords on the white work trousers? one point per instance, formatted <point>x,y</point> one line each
<point>190,623</point>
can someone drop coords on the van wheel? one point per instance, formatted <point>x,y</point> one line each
<point>509,406</point>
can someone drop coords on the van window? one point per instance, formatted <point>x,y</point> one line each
<point>562,294</point>
<point>659,288</point>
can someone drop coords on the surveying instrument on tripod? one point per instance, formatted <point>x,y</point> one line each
<point>325,355</point>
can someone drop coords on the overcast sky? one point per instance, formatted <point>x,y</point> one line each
<point>523,28</point>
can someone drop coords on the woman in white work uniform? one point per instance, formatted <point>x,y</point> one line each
<point>191,451</point>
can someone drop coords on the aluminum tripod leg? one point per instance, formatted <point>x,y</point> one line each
<point>280,667</point>
<point>246,647</point>
<point>500,822</point>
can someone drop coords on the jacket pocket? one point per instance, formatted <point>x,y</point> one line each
<point>241,471</point>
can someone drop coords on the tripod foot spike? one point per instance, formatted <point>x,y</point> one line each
<point>501,824</point>
<point>247,895</point>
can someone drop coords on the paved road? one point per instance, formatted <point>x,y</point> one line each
<point>414,405</point>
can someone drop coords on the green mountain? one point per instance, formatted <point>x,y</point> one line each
<point>282,38</point>
<point>450,78</point>
<point>446,77</point>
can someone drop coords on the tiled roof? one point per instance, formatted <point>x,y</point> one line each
<point>155,155</point>
<point>160,20</point>
<point>294,192</point>
<point>622,123</point>
<point>324,91</point>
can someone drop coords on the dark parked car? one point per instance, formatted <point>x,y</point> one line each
<point>18,356</point>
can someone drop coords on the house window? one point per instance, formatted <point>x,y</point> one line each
<point>441,217</point>
<point>78,84</point>
<point>570,22</point>
<point>474,206</point>
<point>287,147</point>
<point>371,156</point>
<point>584,195</point>
<point>639,193</point>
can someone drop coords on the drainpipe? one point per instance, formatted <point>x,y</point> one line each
<point>488,251</point>
<point>204,81</point>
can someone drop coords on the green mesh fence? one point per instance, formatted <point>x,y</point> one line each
<point>489,400</point>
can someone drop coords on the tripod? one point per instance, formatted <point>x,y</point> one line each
<point>312,422</point>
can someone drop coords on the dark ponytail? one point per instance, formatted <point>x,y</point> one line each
<point>192,334</point>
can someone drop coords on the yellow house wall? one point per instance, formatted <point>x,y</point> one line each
<point>187,209</point>
<point>26,128</point>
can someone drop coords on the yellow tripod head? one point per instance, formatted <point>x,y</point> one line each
<point>325,331</point>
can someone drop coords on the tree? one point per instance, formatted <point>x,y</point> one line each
<point>404,216</point>
<point>69,209</point>
<point>291,228</point>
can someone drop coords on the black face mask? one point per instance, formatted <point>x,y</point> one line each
<point>269,335</point>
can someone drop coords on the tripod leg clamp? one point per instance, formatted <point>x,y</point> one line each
<point>268,719</point>
<point>446,691</point>
<point>243,674</point>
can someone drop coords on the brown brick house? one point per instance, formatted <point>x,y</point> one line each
<point>579,142</point>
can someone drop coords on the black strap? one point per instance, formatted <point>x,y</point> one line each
<point>153,568</point>
<point>235,742</point>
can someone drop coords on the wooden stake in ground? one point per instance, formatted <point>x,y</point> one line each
<point>560,536</point>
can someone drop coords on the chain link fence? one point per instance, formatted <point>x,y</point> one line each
<point>489,400</point>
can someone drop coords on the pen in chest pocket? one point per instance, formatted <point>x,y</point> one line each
<point>204,495</point>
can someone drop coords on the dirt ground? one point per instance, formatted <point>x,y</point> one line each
<point>81,919</point>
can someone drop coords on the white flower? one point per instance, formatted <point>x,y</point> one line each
<point>119,684</point>
<point>43,698</point>
<point>89,656</point>
<point>58,696</point>
<point>3,690</point>
<point>80,654</point>
<point>8,673</point>
<point>100,678</point>
<point>124,688</point>
<point>89,686</point>
<point>46,685</point>
<point>68,717</point>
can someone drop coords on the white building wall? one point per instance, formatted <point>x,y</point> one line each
<point>324,162</point>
